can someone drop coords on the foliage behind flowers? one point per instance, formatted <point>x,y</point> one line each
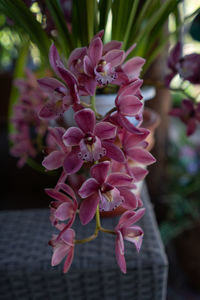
<point>182,200</point>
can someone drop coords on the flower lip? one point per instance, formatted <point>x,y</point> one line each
<point>89,139</point>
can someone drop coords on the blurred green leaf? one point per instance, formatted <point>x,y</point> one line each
<point>18,12</point>
<point>64,37</point>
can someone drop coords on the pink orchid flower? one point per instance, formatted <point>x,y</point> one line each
<point>56,158</point>
<point>133,146</point>
<point>186,66</point>
<point>22,146</point>
<point>60,96</point>
<point>96,64</point>
<point>27,85</point>
<point>64,208</point>
<point>131,200</point>
<point>63,247</point>
<point>128,101</point>
<point>102,189</point>
<point>129,71</point>
<point>125,230</point>
<point>90,141</point>
<point>189,113</point>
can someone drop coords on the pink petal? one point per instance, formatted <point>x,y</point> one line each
<point>68,237</point>
<point>130,89</point>
<point>57,134</point>
<point>72,136</point>
<point>50,84</point>
<point>59,253</point>
<point>130,49</point>
<point>48,111</point>
<point>88,188</point>
<point>76,54</point>
<point>168,78</point>
<point>141,155</point>
<point>119,179</point>
<point>119,252</point>
<point>68,77</point>
<point>67,189</point>
<point>174,56</point>
<point>134,235</point>
<point>99,34</point>
<point>191,127</point>
<point>105,130</point>
<point>69,260</point>
<point>129,105</point>
<point>124,123</point>
<point>54,160</point>
<point>175,112</point>
<point>130,217</point>
<point>112,151</point>
<point>87,66</point>
<point>85,119</point>
<point>111,46</point>
<point>72,163</point>
<point>114,57</point>
<point>133,67</point>
<point>95,50</point>
<point>187,105</point>
<point>64,211</point>
<point>139,173</point>
<point>130,140</point>
<point>89,86</point>
<point>55,60</point>
<point>88,208</point>
<point>130,200</point>
<point>100,171</point>
<point>57,195</point>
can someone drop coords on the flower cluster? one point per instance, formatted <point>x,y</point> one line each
<point>186,66</point>
<point>189,114</point>
<point>108,151</point>
<point>29,128</point>
<point>188,69</point>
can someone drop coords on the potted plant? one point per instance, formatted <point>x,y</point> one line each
<point>108,144</point>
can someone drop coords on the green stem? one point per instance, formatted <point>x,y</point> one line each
<point>107,230</point>
<point>98,221</point>
<point>92,102</point>
<point>88,239</point>
<point>110,111</point>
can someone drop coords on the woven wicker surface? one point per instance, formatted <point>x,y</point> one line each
<point>25,261</point>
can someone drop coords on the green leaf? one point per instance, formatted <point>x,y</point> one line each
<point>90,6</point>
<point>64,36</point>
<point>25,19</point>
<point>104,9</point>
<point>130,22</point>
<point>160,16</point>
<point>79,22</point>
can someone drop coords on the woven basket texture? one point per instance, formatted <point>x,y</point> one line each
<point>26,274</point>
